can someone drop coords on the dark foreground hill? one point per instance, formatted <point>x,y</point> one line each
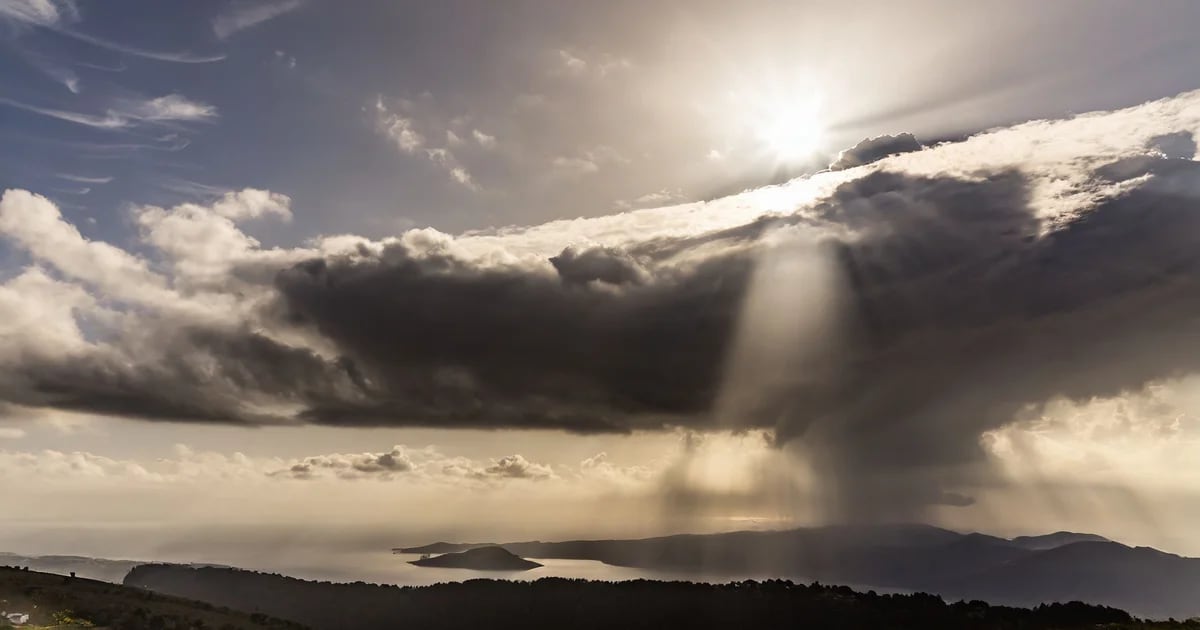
<point>102,569</point>
<point>584,605</point>
<point>65,602</point>
<point>1020,572</point>
<point>479,559</point>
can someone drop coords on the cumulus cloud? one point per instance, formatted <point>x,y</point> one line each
<point>872,149</point>
<point>352,466</point>
<point>881,319</point>
<point>516,466</point>
<point>241,15</point>
<point>417,465</point>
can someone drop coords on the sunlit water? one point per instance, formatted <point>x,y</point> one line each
<point>389,568</point>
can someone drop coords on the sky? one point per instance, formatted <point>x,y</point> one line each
<point>380,273</point>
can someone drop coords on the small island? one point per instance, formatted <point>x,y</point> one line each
<point>479,559</point>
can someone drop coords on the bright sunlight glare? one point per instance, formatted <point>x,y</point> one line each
<point>790,130</point>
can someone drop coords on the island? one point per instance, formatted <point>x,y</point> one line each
<point>480,559</point>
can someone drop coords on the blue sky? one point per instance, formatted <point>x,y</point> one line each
<point>584,108</point>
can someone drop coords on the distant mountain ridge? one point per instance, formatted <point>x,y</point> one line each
<point>1057,539</point>
<point>102,569</point>
<point>1024,571</point>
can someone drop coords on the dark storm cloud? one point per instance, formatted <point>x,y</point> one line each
<point>206,375</point>
<point>447,343</point>
<point>957,306</point>
<point>962,310</point>
<point>603,264</point>
<point>874,149</point>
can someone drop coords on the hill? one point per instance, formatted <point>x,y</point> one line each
<point>65,602</point>
<point>584,605</point>
<point>1137,579</point>
<point>1064,566</point>
<point>93,568</point>
<point>1057,539</point>
<point>480,559</point>
<point>103,569</point>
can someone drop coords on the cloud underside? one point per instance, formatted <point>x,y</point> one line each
<point>884,316</point>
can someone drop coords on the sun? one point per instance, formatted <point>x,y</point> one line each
<point>790,131</point>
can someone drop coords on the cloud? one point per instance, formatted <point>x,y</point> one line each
<point>575,64</point>
<point>517,467</point>
<point>872,149</point>
<point>11,433</point>
<point>286,59</point>
<point>84,179</point>
<point>598,264</point>
<point>243,15</point>
<point>110,120</point>
<point>486,141</point>
<point>352,466</point>
<point>58,15</point>
<point>414,465</point>
<point>56,72</point>
<point>171,107</point>
<point>588,162</point>
<point>664,197</point>
<point>881,320</point>
<point>52,464</point>
<point>571,63</point>
<point>169,56</point>
<point>401,128</point>
<point>40,12</point>
<point>251,203</point>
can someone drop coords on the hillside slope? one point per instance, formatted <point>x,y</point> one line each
<point>1024,571</point>
<point>55,600</point>
<point>584,605</point>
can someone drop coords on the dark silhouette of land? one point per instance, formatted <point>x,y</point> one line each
<point>1057,539</point>
<point>65,602</point>
<point>94,568</point>
<point>584,605</point>
<point>480,559</point>
<point>1024,571</point>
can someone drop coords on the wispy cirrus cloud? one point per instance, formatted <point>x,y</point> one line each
<point>60,16</point>
<point>84,179</point>
<point>39,12</point>
<point>399,125</point>
<point>108,120</point>
<point>243,15</point>
<point>171,107</point>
